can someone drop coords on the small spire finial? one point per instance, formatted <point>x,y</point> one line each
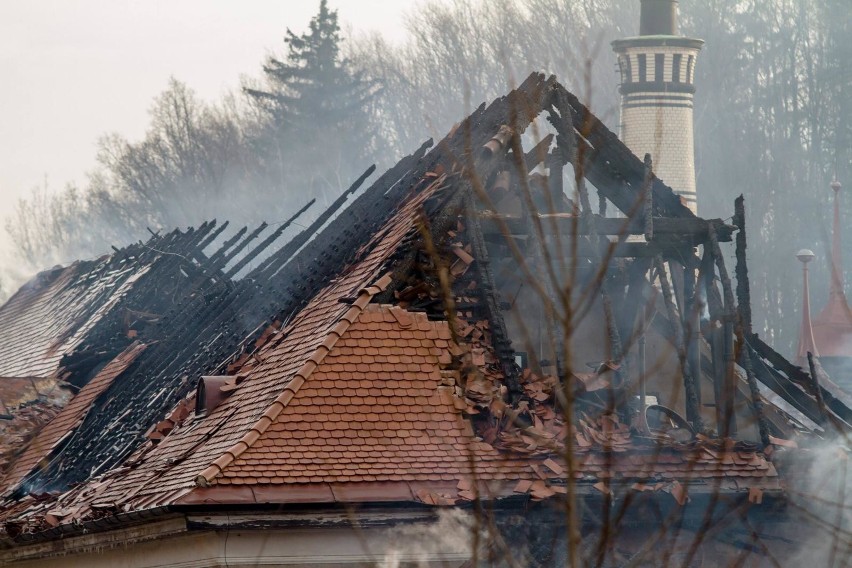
<point>805,256</point>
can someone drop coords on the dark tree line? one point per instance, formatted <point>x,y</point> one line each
<point>772,122</point>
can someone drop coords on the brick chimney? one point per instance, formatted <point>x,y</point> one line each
<point>657,87</point>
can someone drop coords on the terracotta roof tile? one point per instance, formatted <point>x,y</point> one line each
<point>69,416</point>
<point>55,310</point>
<point>366,421</point>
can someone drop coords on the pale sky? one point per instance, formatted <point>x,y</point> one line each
<point>73,70</point>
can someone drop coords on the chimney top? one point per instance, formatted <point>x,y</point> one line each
<point>659,17</point>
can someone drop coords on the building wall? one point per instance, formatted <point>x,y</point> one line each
<point>161,545</point>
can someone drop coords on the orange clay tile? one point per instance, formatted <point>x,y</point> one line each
<point>70,415</point>
<point>382,426</point>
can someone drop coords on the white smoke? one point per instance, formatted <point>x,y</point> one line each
<point>823,502</point>
<point>449,539</point>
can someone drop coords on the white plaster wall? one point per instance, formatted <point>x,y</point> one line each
<point>326,547</point>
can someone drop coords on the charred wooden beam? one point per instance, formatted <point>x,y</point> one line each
<point>632,250</point>
<point>693,414</point>
<point>754,392</point>
<point>222,262</point>
<point>778,383</point>
<point>277,260</point>
<point>692,320</point>
<point>692,231</point>
<point>213,236</point>
<point>743,287</point>
<point>200,235</point>
<point>539,153</point>
<point>798,383</point>
<point>818,391</point>
<point>728,426</point>
<point>608,160</point>
<point>226,246</point>
<point>267,241</point>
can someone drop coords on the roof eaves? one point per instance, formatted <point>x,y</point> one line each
<point>205,478</point>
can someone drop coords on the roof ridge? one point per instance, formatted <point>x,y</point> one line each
<point>230,455</point>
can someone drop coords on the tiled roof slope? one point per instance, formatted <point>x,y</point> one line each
<point>69,416</point>
<point>169,470</point>
<point>372,410</point>
<point>50,315</point>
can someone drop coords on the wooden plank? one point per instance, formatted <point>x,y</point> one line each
<point>694,230</point>
<point>797,381</point>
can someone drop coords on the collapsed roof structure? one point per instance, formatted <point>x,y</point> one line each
<point>466,330</point>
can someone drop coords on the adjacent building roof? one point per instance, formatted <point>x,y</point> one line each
<point>832,327</point>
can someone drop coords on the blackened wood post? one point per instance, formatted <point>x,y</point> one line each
<point>693,414</point>
<point>743,288</point>
<point>744,321</point>
<point>728,426</point>
<point>693,323</point>
<point>642,371</point>
<point>756,400</point>
<point>647,191</point>
<point>714,331</point>
<point>817,389</point>
<point>554,181</point>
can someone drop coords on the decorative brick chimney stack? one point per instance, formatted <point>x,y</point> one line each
<point>657,88</point>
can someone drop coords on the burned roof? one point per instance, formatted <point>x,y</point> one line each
<point>373,356</point>
<point>52,314</point>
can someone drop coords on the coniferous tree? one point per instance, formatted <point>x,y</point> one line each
<point>318,110</point>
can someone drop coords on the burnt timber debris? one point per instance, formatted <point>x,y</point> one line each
<point>447,251</point>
